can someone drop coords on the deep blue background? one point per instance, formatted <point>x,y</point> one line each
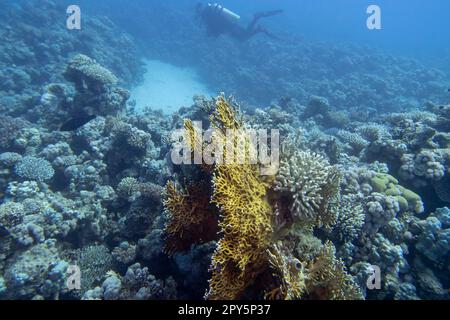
<point>417,28</point>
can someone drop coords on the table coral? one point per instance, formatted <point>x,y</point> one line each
<point>34,169</point>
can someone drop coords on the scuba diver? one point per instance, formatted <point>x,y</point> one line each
<point>220,20</point>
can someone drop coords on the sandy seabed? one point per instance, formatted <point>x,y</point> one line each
<point>168,87</point>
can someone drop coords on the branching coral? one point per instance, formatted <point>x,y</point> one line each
<point>35,169</point>
<point>130,188</point>
<point>94,261</point>
<point>311,184</point>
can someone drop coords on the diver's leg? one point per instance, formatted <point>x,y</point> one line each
<point>252,25</point>
<point>246,34</point>
<point>260,29</point>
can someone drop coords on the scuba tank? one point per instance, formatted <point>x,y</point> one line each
<point>228,14</point>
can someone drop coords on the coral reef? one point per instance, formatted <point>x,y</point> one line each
<point>245,263</point>
<point>363,180</point>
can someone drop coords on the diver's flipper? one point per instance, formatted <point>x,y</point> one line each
<point>267,14</point>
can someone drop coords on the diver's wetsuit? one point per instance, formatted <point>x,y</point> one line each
<point>218,24</point>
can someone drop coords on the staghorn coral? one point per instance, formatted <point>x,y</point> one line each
<point>131,189</point>
<point>128,188</point>
<point>94,261</point>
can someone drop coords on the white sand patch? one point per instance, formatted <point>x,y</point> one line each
<point>167,87</point>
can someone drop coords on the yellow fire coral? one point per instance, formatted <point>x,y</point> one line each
<point>225,115</point>
<point>246,227</point>
<point>245,213</point>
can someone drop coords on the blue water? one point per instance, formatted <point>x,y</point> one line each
<point>414,28</point>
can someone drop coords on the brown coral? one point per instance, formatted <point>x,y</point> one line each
<point>192,219</point>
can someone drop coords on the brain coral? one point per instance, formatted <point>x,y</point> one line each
<point>34,169</point>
